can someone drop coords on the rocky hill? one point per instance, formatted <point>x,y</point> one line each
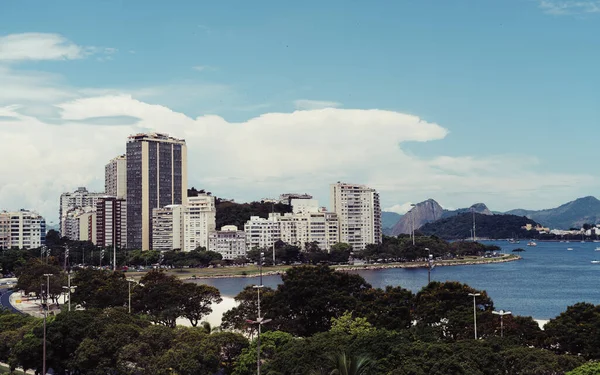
<point>389,220</point>
<point>487,226</point>
<point>478,208</point>
<point>569,215</point>
<point>422,213</point>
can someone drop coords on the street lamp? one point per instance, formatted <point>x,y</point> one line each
<point>45,307</point>
<point>259,320</point>
<point>70,289</point>
<point>129,281</point>
<point>429,265</point>
<point>501,313</point>
<point>475,312</point>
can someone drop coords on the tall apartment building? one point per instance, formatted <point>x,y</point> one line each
<point>22,229</point>
<point>261,232</point>
<point>359,214</point>
<point>111,222</point>
<point>156,177</point>
<point>79,224</point>
<point>167,227</point>
<point>199,220</point>
<point>115,177</point>
<point>80,198</point>
<point>308,223</point>
<point>229,242</point>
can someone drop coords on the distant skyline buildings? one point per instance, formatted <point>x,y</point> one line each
<point>156,177</point>
<point>115,177</point>
<point>22,229</point>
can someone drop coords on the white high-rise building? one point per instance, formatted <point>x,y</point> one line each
<point>78,199</point>
<point>199,220</point>
<point>308,223</point>
<point>261,232</point>
<point>359,214</point>
<point>115,177</point>
<point>27,229</point>
<point>79,224</point>
<point>229,242</point>
<point>167,227</point>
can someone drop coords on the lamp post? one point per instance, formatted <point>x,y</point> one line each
<point>412,217</point>
<point>429,265</point>
<point>47,275</point>
<point>129,281</point>
<point>501,313</point>
<point>70,289</point>
<point>475,312</point>
<point>259,320</point>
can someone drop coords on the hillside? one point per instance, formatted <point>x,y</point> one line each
<point>422,213</point>
<point>569,215</point>
<point>487,226</point>
<point>388,220</point>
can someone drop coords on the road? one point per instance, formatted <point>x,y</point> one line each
<point>5,300</point>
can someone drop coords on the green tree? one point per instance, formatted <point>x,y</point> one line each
<point>576,331</point>
<point>31,278</point>
<point>100,289</point>
<point>158,296</point>
<point>349,325</point>
<point>196,301</point>
<point>592,368</point>
<point>390,308</point>
<point>246,309</point>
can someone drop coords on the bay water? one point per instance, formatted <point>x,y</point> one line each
<point>547,280</point>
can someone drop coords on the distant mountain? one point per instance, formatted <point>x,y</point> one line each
<point>486,226</point>
<point>430,211</point>
<point>478,208</point>
<point>388,220</point>
<point>422,213</point>
<point>570,215</point>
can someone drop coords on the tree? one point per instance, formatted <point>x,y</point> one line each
<point>100,289</point>
<point>310,296</point>
<point>576,331</point>
<point>592,368</point>
<point>229,346</point>
<point>390,308</point>
<point>31,278</point>
<point>349,325</point>
<point>158,296</point>
<point>345,365</point>
<point>237,318</point>
<point>449,307</point>
<point>196,301</point>
<point>270,343</point>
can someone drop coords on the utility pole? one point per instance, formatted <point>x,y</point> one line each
<point>273,214</point>
<point>129,281</point>
<point>45,307</point>
<point>69,289</point>
<point>501,313</point>
<point>259,320</point>
<point>474,235</point>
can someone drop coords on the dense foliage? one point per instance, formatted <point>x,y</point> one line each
<point>231,213</point>
<point>487,226</point>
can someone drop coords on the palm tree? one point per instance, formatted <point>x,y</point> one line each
<point>341,364</point>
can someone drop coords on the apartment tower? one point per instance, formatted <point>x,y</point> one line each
<point>156,177</point>
<point>115,177</point>
<point>359,214</point>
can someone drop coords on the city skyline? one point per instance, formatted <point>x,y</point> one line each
<point>455,102</point>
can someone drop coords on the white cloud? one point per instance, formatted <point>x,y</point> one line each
<point>44,46</point>
<point>568,7</point>
<point>399,208</point>
<point>202,68</point>
<point>315,104</point>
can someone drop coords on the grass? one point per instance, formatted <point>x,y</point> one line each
<point>252,270</point>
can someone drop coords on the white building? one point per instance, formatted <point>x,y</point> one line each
<point>115,177</point>
<point>167,227</point>
<point>359,214</point>
<point>308,223</point>
<point>229,242</point>
<point>22,229</point>
<point>78,199</point>
<point>261,232</point>
<point>199,220</point>
<point>79,224</point>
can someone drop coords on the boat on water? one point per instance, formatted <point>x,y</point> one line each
<point>597,249</point>
<point>569,248</point>
<point>531,243</point>
<point>512,240</point>
<point>595,261</point>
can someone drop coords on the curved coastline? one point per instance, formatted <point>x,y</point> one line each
<point>443,263</point>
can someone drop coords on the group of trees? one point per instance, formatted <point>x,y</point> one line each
<point>320,320</point>
<point>488,226</point>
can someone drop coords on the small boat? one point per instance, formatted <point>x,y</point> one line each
<point>569,248</point>
<point>595,261</point>
<point>597,249</point>
<point>531,243</point>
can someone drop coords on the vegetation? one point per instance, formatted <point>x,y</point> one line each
<point>487,226</point>
<point>231,213</point>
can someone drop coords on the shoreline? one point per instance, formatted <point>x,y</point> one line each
<point>444,263</point>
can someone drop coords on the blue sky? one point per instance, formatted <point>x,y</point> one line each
<point>513,82</point>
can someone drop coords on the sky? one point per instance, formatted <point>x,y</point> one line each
<point>494,101</point>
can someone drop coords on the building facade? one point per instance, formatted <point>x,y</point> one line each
<point>359,214</point>
<point>111,222</point>
<point>156,177</point>
<point>79,224</point>
<point>22,229</point>
<point>167,227</point>
<point>261,232</point>
<point>229,242</point>
<point>80,198</point>
<point>199,220</point>
<point>115,177</point>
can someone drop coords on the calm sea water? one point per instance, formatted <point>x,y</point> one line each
<point>547,280</point>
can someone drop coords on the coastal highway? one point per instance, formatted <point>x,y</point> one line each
<point>5,300</point>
